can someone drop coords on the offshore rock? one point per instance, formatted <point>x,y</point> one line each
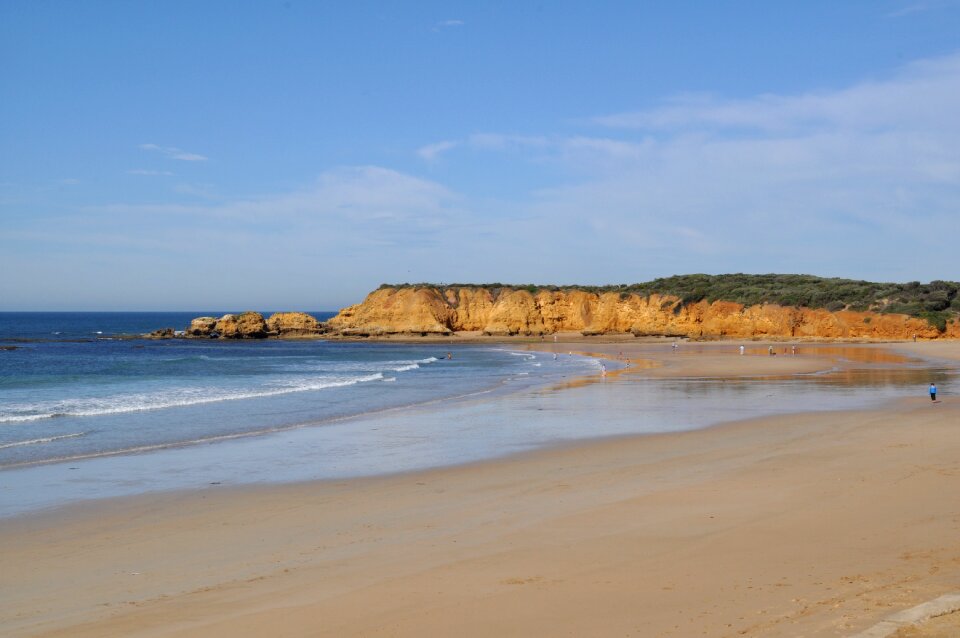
<point>246,325</point>
<point>202,327</point>
<point>508,311</point>
<point>162,333</point>
<point>294,324</point>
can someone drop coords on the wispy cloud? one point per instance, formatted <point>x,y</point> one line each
<point>366,200</point>
<point>173,152</point>
<point>204,191</point>
<point>921,7</point>
<point>431,152</point>
<point>918,92</point>
<point>70,181</point>
<point>347,224</point>
<point>774,182</point>
<point>141,171</point>
<point>448,24</point>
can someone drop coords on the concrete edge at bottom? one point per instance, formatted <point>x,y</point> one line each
<point>948,603</point>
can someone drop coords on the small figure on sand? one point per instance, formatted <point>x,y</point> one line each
<point>741,351</point>
<point>674,346</point>
<point>770,351</point>
<point>793,349</point>
<point>933,391</point>
<point>554,338</point>
<point>914,338</point>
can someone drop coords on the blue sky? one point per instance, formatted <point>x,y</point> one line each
<point>295,155</point>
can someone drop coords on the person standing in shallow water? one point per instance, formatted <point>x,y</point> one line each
<point>933,391</point>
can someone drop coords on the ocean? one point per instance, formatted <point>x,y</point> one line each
<point>76,385</point>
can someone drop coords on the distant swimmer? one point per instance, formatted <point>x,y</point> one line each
<point>449,355</point>
<point>554,356</point>
<point>933,391</point>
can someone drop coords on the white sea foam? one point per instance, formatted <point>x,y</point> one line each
<point>48,439</point>
<point>412,366</point>
<point>182,398</point>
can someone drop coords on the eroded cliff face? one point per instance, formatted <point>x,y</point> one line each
<point>506,312</point>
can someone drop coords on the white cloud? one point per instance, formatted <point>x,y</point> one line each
<point>849,182</point>
<point>919,92</point>
<point>921,7</point>
<point>369,201</point>
<point>447,24</point>
<point>173,152</point>
<point>431,152</point>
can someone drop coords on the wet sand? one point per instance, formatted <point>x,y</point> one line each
<point>800,525</point>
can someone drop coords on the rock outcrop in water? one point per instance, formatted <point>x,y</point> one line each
<point>509,311</point>
<point>294,324</point>
<point>202,327</point>
<point>246,325</point>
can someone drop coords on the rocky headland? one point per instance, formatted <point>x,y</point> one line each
<point>501,312</point>
<point>688,306</point>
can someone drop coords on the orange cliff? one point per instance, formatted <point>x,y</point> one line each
<point>428,310</point>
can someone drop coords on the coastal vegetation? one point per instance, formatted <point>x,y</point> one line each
<point>937,302</point>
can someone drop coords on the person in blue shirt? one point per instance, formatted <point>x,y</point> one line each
<point>933,391</point>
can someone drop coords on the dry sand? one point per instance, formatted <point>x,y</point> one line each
<point>801,525</point>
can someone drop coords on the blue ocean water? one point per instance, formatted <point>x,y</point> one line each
<point>71,388</point>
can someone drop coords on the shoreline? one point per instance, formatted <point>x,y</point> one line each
<point>563,532</point>
<point>712,361</point>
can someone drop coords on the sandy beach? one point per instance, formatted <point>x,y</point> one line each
<point>812,524</point>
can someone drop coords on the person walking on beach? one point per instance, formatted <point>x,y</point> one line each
<point>933,391</point>
<point>741,351</point>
